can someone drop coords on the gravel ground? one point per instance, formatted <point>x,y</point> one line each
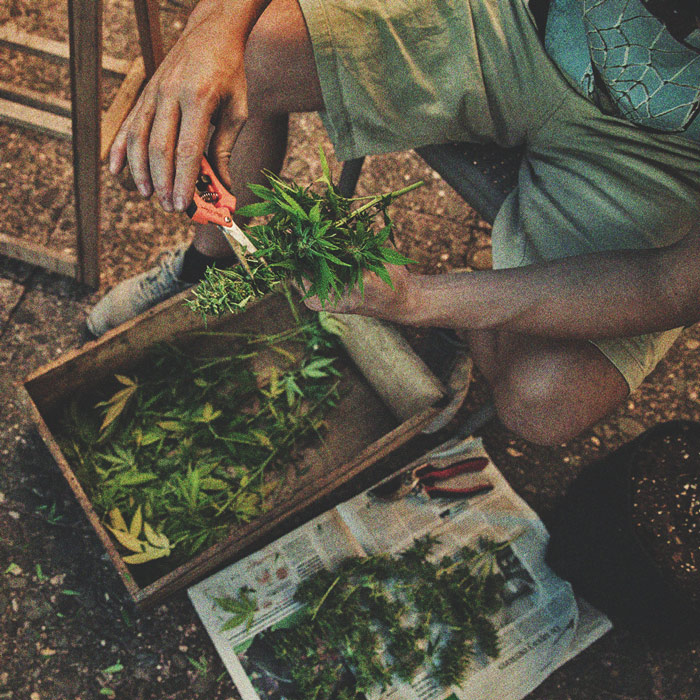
<point>67,628</point>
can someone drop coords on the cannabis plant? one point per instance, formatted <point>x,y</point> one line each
<point>313,235</point>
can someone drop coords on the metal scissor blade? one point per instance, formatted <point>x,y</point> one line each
<point>240,244</point>
<point>234,231</point>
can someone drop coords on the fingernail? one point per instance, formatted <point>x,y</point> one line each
<point>180,203</point>
<point>167,205</point>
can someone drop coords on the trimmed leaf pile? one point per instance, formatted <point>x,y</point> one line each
<point>380,618</point>
<point>185,447</point>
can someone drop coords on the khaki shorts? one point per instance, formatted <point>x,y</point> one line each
<point>398,74</point>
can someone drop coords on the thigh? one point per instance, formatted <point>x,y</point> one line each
<point>590,182</point>
<point>280,68</point>
<point>399,74</point>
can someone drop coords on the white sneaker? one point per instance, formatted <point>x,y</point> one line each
<point>137,294</point>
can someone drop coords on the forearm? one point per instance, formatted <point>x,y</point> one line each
<point>594,296</point>
<point>238,16</point>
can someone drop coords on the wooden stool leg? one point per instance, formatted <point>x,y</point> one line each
<point>85,26</point>
<point>150,38</point>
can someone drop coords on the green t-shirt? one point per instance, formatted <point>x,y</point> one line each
<point>621,56</point>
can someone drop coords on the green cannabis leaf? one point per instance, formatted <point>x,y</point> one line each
<point>242,607</point>
<point>195,443</point>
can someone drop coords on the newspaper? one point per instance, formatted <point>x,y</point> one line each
<point>540,626</point>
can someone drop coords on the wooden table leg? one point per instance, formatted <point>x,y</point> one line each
<point>85,26</point>
<point>150,37</point>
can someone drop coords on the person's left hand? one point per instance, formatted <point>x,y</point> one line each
<point>378,298</point>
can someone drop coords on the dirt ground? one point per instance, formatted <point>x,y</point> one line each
<point>67,628</point>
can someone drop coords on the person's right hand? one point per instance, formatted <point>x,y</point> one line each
<point>201,81</point>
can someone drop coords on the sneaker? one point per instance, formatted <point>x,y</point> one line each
<point>138,294</point>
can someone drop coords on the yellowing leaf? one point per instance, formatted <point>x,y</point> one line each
<point>117,519</point>
<point>263,439</point>
<point>155,538</point>
<point>268,488</point>
<point>171,425</point>
<point>117,404</point>
<point>286,354</point>
<point>126,540</point>
<point>149,554</point>
<point>136,523</point>
<point>125,380</point>
<point>209,414</point>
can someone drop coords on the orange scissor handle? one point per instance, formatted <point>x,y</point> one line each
<point>212,202</point>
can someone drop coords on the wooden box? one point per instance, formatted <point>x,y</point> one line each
<point>361,429</point>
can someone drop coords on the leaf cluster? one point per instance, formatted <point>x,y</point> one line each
<point>311,234</point>
<point>193,445</point>
<point>154,546</point>
<point>383,618</point>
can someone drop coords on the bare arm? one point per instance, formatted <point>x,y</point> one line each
<point>607,294</point>
<point>201,78</point>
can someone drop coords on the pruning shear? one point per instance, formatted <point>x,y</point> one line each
<point>437,481</point>
<point>214,204</point>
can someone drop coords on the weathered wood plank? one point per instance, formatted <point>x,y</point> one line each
<point>35,99</point>
<point>361,430</point>
<point>36,254</point>
<point>85,27</point>
<point>150,37</point>
<point>13,37</point>
<point>22,115</point>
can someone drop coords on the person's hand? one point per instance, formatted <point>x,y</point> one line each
<point>201,80</point>
<point>378,298</point>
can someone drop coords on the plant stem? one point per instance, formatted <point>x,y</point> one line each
<point>377,199</point>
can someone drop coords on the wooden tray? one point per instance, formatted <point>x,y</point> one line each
<point>361,429</point>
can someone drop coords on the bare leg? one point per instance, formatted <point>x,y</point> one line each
<point>281,76</point>
<point>547,391</point>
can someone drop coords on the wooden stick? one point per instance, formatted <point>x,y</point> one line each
<point>36,99</point>
<point>150,38</point>
<point>22,115</point>
<point>13,37</point>
<point>40,255</point>
<point>85,24</point>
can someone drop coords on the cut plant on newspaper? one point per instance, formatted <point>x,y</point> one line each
<point>439,593</point>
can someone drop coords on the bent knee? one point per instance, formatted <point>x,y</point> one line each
<point>548,409</point>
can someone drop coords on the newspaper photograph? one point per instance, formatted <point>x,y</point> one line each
<point>453,515</point>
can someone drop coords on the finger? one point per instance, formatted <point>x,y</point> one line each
<point>117,153</point>
<point>137,138</point>
<point>221,145</point>
<point>192,140</point>
<point>161,151</point>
